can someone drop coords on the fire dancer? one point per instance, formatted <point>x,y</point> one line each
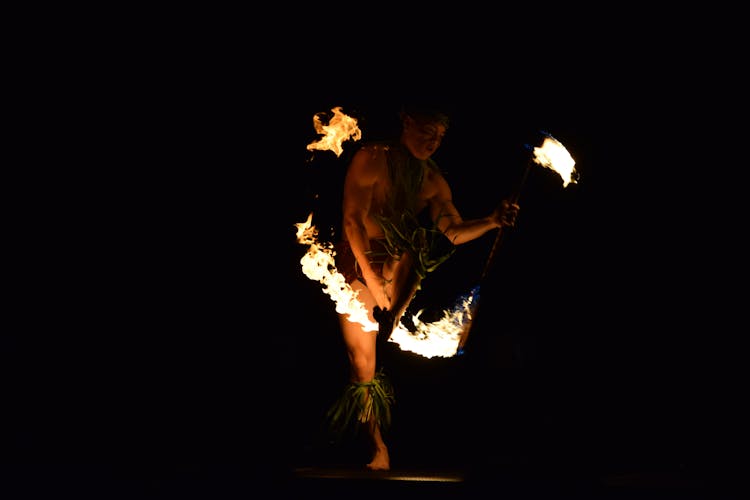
<point>399,223</point>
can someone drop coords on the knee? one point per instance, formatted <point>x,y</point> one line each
<point>363,367</point>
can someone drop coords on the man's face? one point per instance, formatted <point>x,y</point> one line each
<point>423,138</point>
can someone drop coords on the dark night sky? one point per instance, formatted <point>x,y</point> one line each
<point>602,337</point>
<point>595,333</point>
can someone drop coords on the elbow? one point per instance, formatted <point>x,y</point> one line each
<point>351,223</point>
<point>453,236</point>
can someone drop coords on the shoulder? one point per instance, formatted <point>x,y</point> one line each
<point>369,161</point>
<point>373,149</point>
<point>371,153</point>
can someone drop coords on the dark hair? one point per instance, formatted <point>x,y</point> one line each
<point>425,114</point>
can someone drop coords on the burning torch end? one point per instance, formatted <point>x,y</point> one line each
<point>469,323</point>
<point>385,319</point>
<point>463,338</point>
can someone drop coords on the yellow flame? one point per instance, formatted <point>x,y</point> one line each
<point>440,338</point>
<point>553,155</point>
<point>340,128</point>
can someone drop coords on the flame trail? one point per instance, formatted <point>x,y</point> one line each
<point>439,338</point>
<point>318,264</point>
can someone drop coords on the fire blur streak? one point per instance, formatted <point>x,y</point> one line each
<point>439,338</point>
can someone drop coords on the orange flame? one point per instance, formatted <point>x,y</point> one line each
<point>440,338</point>
<point>340,128</point>
<point>553,155</point>
<point>318,264</point>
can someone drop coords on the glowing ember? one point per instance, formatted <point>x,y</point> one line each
<point>340,128</point>
<point>439,338</point>
<point>553,155</point>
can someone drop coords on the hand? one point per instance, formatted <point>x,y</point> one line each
<point>376,284</point>
<point>506,213</point>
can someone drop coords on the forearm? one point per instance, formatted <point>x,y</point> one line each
<point>460,231</point>
<point>469,230</point>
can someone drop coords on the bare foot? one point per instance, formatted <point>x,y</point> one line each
<point>380,461</point>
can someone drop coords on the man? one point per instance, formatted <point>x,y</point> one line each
<point>399,223</point>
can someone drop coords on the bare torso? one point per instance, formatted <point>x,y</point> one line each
<point>433,185</point>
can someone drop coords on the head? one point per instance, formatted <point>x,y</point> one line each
<point>422,130</point>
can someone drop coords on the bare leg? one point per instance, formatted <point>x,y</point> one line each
<point>361,349</point>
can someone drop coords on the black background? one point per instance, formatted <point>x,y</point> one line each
<point>169,324</point>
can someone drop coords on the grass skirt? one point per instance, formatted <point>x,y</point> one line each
<point>360,403</point>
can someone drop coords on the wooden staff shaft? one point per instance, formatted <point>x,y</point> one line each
<point>490,260</point>
<point>501,230</point>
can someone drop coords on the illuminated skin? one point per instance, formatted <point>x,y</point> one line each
<point>365,192</point>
